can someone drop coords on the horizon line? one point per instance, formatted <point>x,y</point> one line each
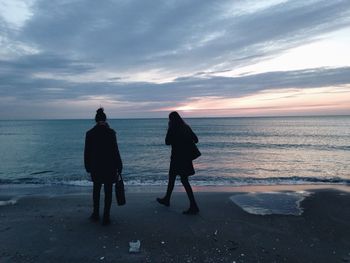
<point>208,117</point>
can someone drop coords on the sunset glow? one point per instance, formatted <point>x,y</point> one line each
<point>270,102</point>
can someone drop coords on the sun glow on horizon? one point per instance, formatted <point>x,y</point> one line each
<point>271,102</point>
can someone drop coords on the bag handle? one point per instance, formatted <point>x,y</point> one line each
<point>121,177</point>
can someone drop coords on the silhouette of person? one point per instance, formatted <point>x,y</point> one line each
<point>102,160</point>
<point>180,136</point>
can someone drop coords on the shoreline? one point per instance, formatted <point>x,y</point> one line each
<point>32,189</point>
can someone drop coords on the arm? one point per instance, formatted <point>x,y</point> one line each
<point>168,137</point>
<point>193,135</point>
<point>119,159</point>
<point>87,161</point>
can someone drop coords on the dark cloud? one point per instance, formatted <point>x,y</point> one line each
<point>177,35</point>
<point>44,62</point>
<point>235,87</point>
<point>171,93</point>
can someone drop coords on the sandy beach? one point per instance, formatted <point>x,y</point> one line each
<point>51,225</point>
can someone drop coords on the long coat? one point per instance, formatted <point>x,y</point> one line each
<point>181,139</point>
<point>101,154</point>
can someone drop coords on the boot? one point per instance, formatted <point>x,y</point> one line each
<point>106,220</point>
<point>163,201</point>
<point>193,210</point>
<point>94,217</point>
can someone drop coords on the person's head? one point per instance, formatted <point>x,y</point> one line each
<point>100,115</point>
<point>175,119</point>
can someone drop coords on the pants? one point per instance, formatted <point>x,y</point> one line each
<point>108,197</point>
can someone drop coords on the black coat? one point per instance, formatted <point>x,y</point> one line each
<point>101,154</point>
<point>181,139</point>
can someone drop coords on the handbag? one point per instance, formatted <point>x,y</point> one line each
<point>120,191</point>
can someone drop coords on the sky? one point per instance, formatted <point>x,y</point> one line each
<point>138,59</point>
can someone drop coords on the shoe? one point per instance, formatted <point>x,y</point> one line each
<point>106,221</point>
<point>191,211</point>
<point>163,201</point>
<point>94,217</point>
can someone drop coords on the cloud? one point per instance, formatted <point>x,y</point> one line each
<point>141,97</point>
<point>178,36</point>
<point>139,56</point>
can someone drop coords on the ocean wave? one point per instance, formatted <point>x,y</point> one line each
<point>196,181</point>
<point>252,145</point>
<point>42,172</point>
<point>311,146</point>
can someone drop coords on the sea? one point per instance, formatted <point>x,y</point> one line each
<point>235,151</point>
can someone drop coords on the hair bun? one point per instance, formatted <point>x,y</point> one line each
<point>100,111</point>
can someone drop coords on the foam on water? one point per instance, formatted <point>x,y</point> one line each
<point>8,202</point>
<point>195,180</point>
<point>281,203</point>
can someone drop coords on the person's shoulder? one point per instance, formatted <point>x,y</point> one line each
<point>189,130</point>
<point>187,127</point>
<point>111,130</point>
<point>89,132</point>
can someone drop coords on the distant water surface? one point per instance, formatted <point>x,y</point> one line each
<point>235,151</point>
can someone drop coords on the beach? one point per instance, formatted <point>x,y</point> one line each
<point>50,224</point>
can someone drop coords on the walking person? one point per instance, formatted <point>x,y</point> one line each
<point>182,140</point>
<point>102,160</point>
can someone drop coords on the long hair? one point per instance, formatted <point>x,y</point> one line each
<point>175,120</point>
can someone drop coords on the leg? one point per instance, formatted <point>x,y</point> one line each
<point>108,201</point>
<point>96,200</point>
<point>171,183</point>
<point>193,205</point>
<point>170,188</point>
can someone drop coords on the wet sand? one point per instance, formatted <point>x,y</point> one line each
<point>55,228</point>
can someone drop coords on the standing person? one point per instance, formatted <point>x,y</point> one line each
<point>102,160</point>
<point>181,138</point>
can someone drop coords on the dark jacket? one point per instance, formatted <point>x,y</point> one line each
<point>101,154</point>
<point>181,140</point>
